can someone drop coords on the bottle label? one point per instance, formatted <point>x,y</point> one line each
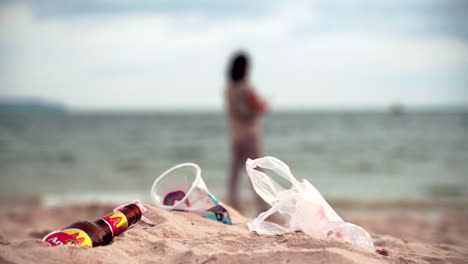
<point>71,236</point>
<point>117,221</point>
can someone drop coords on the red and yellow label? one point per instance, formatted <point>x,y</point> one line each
<point>71,236</point>
<point>117,222</point>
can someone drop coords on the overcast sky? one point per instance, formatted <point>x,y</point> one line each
<point>113,54</point>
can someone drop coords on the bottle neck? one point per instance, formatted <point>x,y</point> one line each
<point>122,219</point>
<point>132,213</point>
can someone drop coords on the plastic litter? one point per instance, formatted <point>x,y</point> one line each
<point>182,188</point>
<point>302,207</point>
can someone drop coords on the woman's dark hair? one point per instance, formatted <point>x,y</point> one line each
<point>238,68</point>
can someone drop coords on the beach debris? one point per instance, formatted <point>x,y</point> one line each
<point>382,251</point>
<point>99,232</point>
<point>301,206</point>
<point>181,188</point>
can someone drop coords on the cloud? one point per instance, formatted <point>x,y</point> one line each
<point>439,17</point>
<point>73,9</point>
<point>177,60</point>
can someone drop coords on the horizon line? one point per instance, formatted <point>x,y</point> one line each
<point>404,108</point>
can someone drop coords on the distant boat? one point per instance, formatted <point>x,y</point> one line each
<point>30,105</point>
<point>396,109</point>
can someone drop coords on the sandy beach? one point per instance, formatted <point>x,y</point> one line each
<point>407,190</point>
<point>400,235</point>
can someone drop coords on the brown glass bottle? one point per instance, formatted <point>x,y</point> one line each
<point>97,233</point>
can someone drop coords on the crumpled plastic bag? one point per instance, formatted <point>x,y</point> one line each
<point>302,207</point>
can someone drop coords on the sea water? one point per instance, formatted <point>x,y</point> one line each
<point>355,156</point>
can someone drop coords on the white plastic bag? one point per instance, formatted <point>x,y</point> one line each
<point>302,207</point>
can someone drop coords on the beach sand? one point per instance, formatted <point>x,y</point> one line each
<point>179,237</point>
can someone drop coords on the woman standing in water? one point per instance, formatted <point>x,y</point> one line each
<point>243,109</point>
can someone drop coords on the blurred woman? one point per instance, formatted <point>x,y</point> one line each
<point>243,108</point>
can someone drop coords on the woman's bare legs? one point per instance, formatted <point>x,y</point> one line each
<point>248,148</point>
<point>255,153</point>
<point>234,176</point>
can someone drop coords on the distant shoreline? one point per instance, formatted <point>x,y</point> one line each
<point>31,105</point>
<point>409,110</point>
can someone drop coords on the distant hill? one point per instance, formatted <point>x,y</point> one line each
<point>30,105</point>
